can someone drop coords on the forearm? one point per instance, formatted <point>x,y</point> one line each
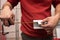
<point>57,11</point>
<point>7,5</point>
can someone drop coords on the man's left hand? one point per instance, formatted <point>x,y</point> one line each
<point>52,22</point>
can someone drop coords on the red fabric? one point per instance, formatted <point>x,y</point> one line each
<point>34,10</point>
<point>56,39</point>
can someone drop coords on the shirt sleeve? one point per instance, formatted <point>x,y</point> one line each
<point>55,2</point>
<point>13,2</point>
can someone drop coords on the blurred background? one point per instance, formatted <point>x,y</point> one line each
<point>14,30</point>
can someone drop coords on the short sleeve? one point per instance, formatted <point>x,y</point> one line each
<point>13,2</point>
<point>55,2</point>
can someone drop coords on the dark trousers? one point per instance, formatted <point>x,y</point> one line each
<point>26,37</point>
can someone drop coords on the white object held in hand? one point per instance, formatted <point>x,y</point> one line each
<point>36,24</point>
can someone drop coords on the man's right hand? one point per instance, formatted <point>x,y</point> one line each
<point>7,16</point>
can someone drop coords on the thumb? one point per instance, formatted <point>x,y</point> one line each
<point>45,22</point>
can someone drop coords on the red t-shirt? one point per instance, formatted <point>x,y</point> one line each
<point>34,10</point>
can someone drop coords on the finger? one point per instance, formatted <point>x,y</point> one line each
<point>11,20</point>
<point>5,22</point>
<point>13,16</point>
<point>46,28</point>
<point>44,20</point>
<point>45,25</point>
<point>3,17</point>
<point>49,31</point>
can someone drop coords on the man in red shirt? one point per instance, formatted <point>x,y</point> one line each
<point>34,10</point>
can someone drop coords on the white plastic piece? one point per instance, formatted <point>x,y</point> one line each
<point>36,24</point>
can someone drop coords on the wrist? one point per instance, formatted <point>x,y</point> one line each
<point>57,15</point>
